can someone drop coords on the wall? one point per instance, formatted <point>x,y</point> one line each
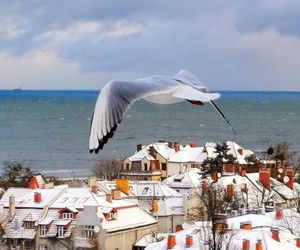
<point>125,240</point>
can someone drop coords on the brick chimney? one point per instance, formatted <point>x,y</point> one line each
<point>258,245</point>
<point>171,241</point>
<point>229,191</point>
<point>152,151</point>
<point>176,146</point>
<point>37,197</point>
<point>12,207</point>
<point>278,214</point>
<point>170,144</point>
<point>247,225</point>
<point>298,242</point>
<point>193,145</point>
<point>116,194</point>
<point>290,173</point>
<point>246,244</point>
<point>109,198</point>
<point>241,151</point>
<point>264,178</point>
<point>275,234</point>
<point>188,240</point>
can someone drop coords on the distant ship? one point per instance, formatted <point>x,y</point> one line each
<point>18,89</point>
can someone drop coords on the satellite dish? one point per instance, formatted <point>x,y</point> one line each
<point>270,151</point>
<point>280,170</point>
<point>286,179</point>
<point>96,229</point>
<point>219,175</point>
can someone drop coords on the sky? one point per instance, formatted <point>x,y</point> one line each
<point>228,45</point>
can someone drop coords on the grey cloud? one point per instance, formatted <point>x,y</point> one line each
<point>203,36</point>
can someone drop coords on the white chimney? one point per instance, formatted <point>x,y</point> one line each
<point>12,207</point>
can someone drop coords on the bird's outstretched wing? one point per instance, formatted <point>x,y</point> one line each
<point>113,101</point>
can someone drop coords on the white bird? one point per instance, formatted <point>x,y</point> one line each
<point>116,97</point>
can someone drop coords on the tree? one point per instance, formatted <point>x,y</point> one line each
<point>282,152</point>
<point>108,169</point>
<point>215,164</point>
<point>213,199</point>
<point>16,175</point>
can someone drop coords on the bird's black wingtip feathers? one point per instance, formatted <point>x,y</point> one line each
<point>104,140</point>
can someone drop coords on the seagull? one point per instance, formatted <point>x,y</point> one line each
<point>117,96</point>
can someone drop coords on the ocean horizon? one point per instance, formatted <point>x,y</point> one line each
<point>48,130</point>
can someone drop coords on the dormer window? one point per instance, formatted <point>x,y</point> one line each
<point>112,215</point>
<point>61,231</point>
<point>67,215</point>
<point>28,224</point>
<point>43,230</point>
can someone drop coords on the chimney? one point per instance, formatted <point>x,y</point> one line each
<point>178,228</point>
<point>241,151</point>
<point>298,242</point>
<point>244,188</point>
<point>176,146</point>
<point>37,197</point>
<point>12,207</point>
<point>264,178</point>
<point>155,207</point>
<point>109,198</point>
<point>188,240</point>
<point>152,151</point>
<point>258,245</point>
<point>123,185</point>
<point>246,244</point>
<point>139,147</point>
<point>290,173</point>
<point>278,214</point>
<point>92,181</point>
<point>247,225</point>
<point>229,167</point>
<point>94,189</point>
<point>193,145</point>
<point>275,234</point>
<point>171,241</point>
<point>170,144</point>
<point>229,191</point>
<point>116,194</point>
<point>243,172</point>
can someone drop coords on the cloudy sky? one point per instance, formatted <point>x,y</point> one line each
<point>229,45</point>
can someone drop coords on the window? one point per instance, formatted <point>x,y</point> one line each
<point>68,215</point>
<point>43,230</point>
<point>43,247</point>
<point>164,166</point>
<point>127,167</point>
<point>145,190</point>
<point>146,167</point>
<point>89,231</point>
<point>61,231</point>
<point>28,224</point>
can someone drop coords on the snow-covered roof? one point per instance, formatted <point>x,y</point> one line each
<point>234,149</point>
<point>74,197</point>
<point>191,178</point>
<point>233,238</point>
<point>185,154</point>
<point>24,197</point>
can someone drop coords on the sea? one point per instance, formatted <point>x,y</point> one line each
<point>48,131</point>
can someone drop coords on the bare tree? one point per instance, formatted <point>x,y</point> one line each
<point>108,169</point>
